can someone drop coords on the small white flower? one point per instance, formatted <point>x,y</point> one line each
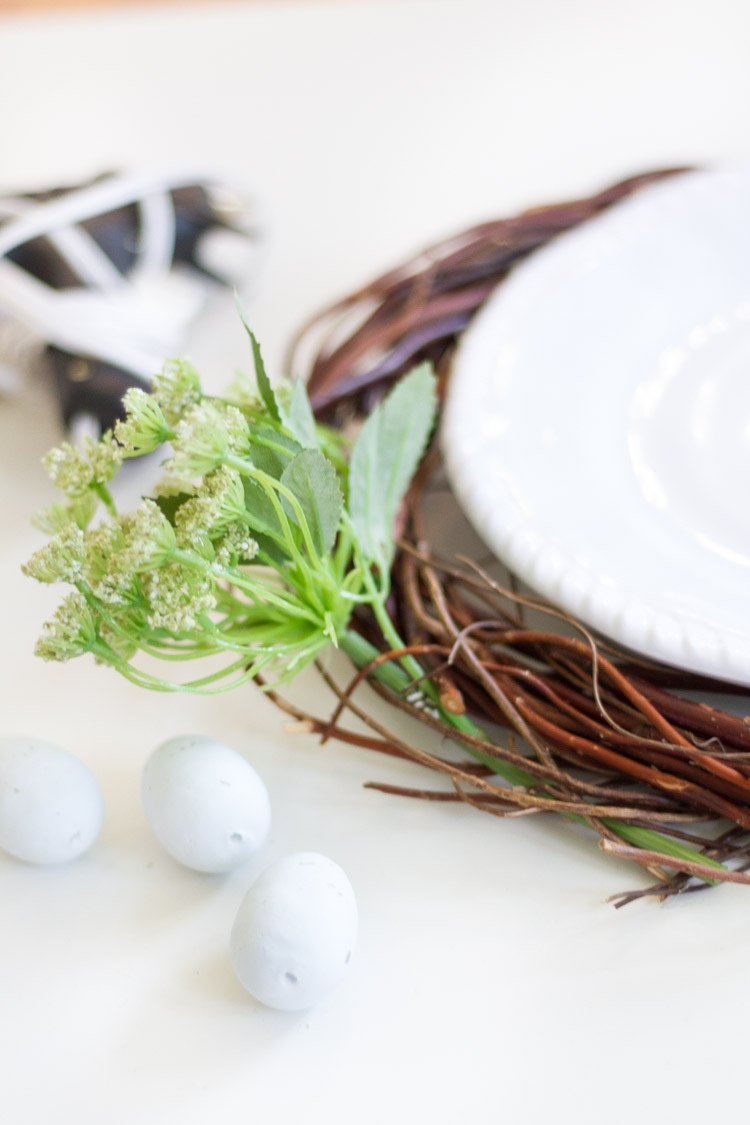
<point>60,560</point>
<point>237,431</point>
<point>218,502</point>
<point>71,632</point>
<point>145,428</point>
<point>106,568</point>
<point>176,389</point>
<point>77,469</point>
<point>205,437</point>
<point>236,547</point>
<point>176,595</point>
<point>149,537</point>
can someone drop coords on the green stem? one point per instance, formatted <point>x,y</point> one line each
<point>105,496</point>
<point>397,679</point>
<point>400,680</point>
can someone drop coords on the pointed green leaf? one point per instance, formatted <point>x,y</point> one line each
<point>385,457</point>
<point>656,842</point>
<point>271,451</point>
<point>261,514</point>
<point>313,481</point>
<point>300,420</point>
<point>406,424</point>
<point>366,501</point>
<point>264,383</point>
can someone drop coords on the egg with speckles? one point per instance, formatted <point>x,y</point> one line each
<point>51,806</point>
<point>295,932</point>
<point>205,803</point>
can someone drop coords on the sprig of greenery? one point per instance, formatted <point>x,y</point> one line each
<point>256,548</point>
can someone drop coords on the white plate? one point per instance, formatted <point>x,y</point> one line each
<point>597,428</point>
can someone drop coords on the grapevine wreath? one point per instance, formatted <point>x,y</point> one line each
<point>599,727</point>
<point>290,519</point>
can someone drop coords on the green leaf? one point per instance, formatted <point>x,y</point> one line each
<point>261,514</point>
<point>314,483</point>
<point>300,420</point>
<point>270,548</point>
<point>264,383</point>
<point>385,457</point>
<point>656,842</point>
<point>169,504</point>
<point>366,500</point>
<point>271,451</point>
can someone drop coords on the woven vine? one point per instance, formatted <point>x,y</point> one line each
<point>607,738</point>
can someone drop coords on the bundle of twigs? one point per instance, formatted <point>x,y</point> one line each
<point>594,734</point>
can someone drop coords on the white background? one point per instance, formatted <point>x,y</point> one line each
<point>491,981</point>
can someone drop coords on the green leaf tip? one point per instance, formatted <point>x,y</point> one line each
<point>300,420</point>
<point>385,457</point>
<point>261,375</point>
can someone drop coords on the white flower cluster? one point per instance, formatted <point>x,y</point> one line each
<point>71,632</point>
<point>149,537</point>
<point>60,560</point>
<point>237,546</point>
<point>205,437</point>
<point>176,596</point>
<point>218,503</point>
<point>176,389</point>
<point>144,427</point>
<point>107,570</point>
<point>77,469</point>
<point>173,578</point>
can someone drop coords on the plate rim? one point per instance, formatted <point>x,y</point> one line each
<point>628,618</point>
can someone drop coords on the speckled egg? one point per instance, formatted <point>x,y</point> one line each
<point>205,803</point>
<point>295,932</point>
<point>51,806</point>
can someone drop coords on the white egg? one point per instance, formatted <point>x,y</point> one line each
<point>295,931</point>
<point>206,805</point>
<point>51,806</point>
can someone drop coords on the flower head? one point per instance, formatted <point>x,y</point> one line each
<point>236,546</point>
<point>60,560</point>
<point>205,437</point>
<point>149,537</point>
<point>176,389</point>
<point>106,568</point>
<point>75,469</point>
<point>144,427</point>
<point>218,502</point>
<point>176,596</point>
<point>71,631</point>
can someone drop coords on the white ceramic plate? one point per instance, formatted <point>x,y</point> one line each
<point>597,428</point>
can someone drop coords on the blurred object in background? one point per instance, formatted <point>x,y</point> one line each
<point>64,5</point>
<point>101,281</point>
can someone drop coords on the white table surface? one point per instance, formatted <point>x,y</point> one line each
<point>491,980</point>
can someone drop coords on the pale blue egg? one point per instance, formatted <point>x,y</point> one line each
<point>205,803</point>
<point>51,806</point>
<point>295,932</point>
